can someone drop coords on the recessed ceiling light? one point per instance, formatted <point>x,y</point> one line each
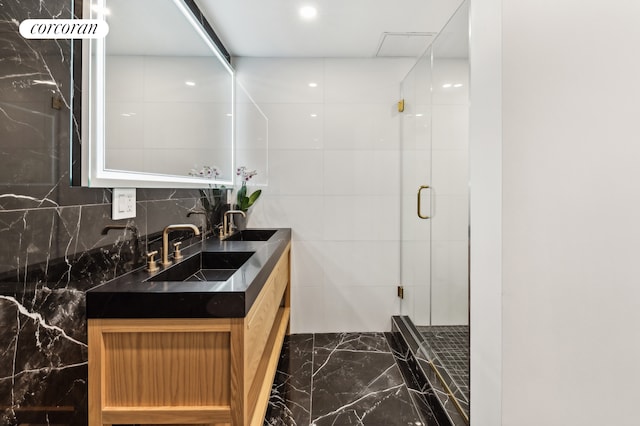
<point>313,115</point>
<point>190,83</point>
<point>457,85</point>
<point>308,12</point>
<point>446,85</point>
<point>312,84</point>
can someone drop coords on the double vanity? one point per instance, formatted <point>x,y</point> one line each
<point>196,342</point>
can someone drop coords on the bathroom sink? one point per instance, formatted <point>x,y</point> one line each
<point>252,235</point>
<point>205,266</point>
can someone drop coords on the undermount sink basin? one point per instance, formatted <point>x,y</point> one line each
<point>252,235</point>
<point>205,266</point>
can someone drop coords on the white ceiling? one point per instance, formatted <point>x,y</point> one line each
<point>342,28</point>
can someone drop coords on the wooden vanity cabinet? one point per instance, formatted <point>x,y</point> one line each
<point>212,371</point>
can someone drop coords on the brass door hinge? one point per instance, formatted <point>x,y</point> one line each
<point>56,102</point>
<point>401,292</point>
<point>401,105</point>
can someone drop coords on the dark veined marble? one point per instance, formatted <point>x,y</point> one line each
<point>290,401</point>
<point>340,379</point>
<point>53,244</point>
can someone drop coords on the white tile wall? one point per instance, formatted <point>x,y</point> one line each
<point>123,129</point>
<point>334,179</point>
<point>450,219</point>
<point>295,172</point>
<point>450,127</point>
<point>309,309</point>
<point>372,81</point>
<point>413,228</point>
<point>294,128</point>
<point>361,218</point>
<point>450,171</point>
<point>421,296</point>
<point>308,260</point>
<point>302,213</point>
<point>349,308</point>
<point>282,80</point>
<point>361,126</point>
<point>448,71</point>
<point>361,172</point>
<point>449,280</point>
<point>125,78</point>
<point>141,89</point>
<point>416,265</point>
<point>416,170</point>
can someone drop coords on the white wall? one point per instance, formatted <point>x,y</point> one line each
<point>485,176</point>
<point>334,179</point>
<point>570,286</point>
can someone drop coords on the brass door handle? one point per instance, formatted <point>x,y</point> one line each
<point>419,209</point>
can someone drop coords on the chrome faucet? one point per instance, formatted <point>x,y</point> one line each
<point>226,225</point>
<point>165,239</point>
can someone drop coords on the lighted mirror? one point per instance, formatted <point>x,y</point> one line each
<point>252,136</point>
<point>157,98</point>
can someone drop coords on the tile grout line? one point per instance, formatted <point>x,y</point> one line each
<point>404,381</point>
<point>313,353</point>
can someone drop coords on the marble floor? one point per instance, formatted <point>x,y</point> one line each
<point>340,379</point>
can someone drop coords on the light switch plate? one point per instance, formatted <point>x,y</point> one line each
<point>123,205</point>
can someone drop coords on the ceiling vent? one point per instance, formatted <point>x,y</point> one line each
<point>404,44</point>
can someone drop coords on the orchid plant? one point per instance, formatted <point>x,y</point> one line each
<point>213,197</point>
<point>243,200</point>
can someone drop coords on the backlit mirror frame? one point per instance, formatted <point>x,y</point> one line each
<point>93,171</point>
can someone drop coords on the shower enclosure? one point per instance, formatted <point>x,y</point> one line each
<point>435,208</point>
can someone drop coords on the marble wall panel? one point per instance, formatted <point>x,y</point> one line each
<point>53,245</point>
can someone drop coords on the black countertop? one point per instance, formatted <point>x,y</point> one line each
<point>130,296</point>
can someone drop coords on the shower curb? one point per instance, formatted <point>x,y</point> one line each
<point>427,389</point>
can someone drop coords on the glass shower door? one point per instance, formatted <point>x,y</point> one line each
<point>435,206</point>
<point>415,244</point>
<point>450,173</point>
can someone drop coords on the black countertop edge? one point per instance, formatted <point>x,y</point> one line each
<point>130,296</point>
